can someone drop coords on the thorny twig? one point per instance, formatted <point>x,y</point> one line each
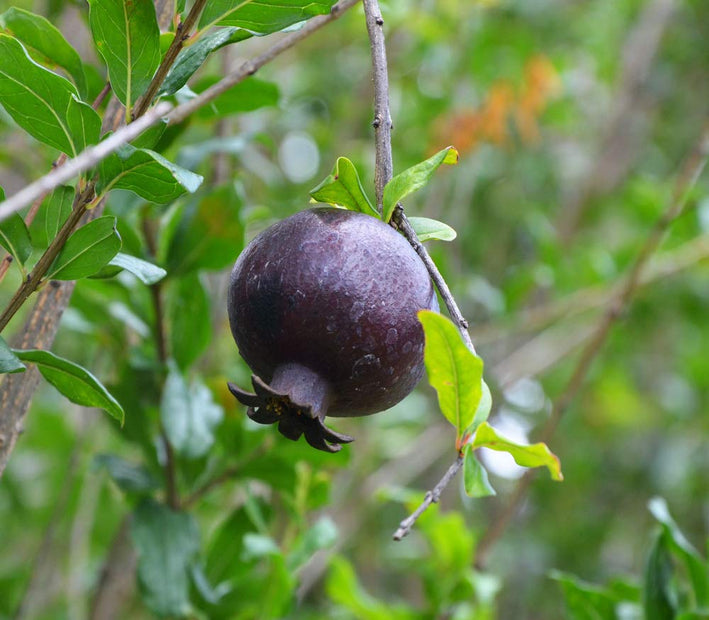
<point>688,175</point>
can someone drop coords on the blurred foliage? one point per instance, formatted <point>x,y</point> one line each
<point>571,119</point>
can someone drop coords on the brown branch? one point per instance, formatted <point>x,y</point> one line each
<point>382,123</point>
<point>383,174</point>
<point>117,579</point>
<point>84,161</point>
<point>690,171</point>
<point>182,33</point>
<point>431,497</point>
<point>250,67</point>
<point>16,390</point>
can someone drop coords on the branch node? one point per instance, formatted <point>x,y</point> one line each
<point>376,122</point>
<point>380,20</point>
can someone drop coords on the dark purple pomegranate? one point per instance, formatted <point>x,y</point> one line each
<point>322,306</point>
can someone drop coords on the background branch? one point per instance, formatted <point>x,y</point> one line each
<point>689,172</point>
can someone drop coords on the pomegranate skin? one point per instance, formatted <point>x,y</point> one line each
<point>336,293</point>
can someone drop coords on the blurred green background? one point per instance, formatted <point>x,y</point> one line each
<point>572,120</point>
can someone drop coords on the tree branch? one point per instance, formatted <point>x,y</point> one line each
<point>382,175</point>
<point>431,497</point>
<point>382,123</point>
<point>182,33</point>
<point>84,161</point>
<point>688,175</point>
<point>41,327</point>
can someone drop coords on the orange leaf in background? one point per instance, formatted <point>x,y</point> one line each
<point>491,121</point>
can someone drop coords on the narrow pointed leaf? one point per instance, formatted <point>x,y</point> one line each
<point>39,34</point>
<point>453,370</point>
<point>147,174</point>
<point>261,17</point>
<point>427,229</point>
<point>343,187</point>
<point>475,476</point>
<point>87,250</point>
<point>534,455</point>
<point>414,178</point>
<point>127,37</point>
<point>73,381</point>
<point>15,238</point>
<point>34,97</point>
<point>9,362</point>
<point>145,271</point>
<point>191,58</point>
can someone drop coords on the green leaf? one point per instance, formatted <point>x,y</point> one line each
<point>245,96</point>
<point>41,35</point>
<point>147,174</point>
<point>167,543</point>
<point>190,324</point>
<point>87,250</point>
<point>38,100</point>
<point>127,37</point>
<point>414,178</point>
<point>15,238</point>
<point>475,476</point>
<point>146,272</point>
<point>427,229</point>
<point>322,535</point>
<point>208,233</point>
<point>192,58</point>
<point>261,17</point>
<point>484,407</point>
<point>535,455</point>
<point>659,592</point>
<point>57,208</point>
<point>9,362</point>
<point>84,124</point>
<point>343,187</point>
<point>586,601</point>
<point>189,415</point>
<point>697,568</point>
<point>73,381</point>
<point>129,477</point>
<point>453,371</point>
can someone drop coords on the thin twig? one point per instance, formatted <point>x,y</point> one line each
<point>33,281</point>
<point>41,327</point>
<point>84,161</point>
<point>403,224</point>
<point>182,33</point>
<point>94,154</point>
<point>383,174</point>
<point>161,345</point>
<point>250,67</point>
<point>431,497</point>
<point>382,123</point>
<point>690,171</point>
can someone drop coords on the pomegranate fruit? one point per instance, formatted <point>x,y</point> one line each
<point>323,308</point>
